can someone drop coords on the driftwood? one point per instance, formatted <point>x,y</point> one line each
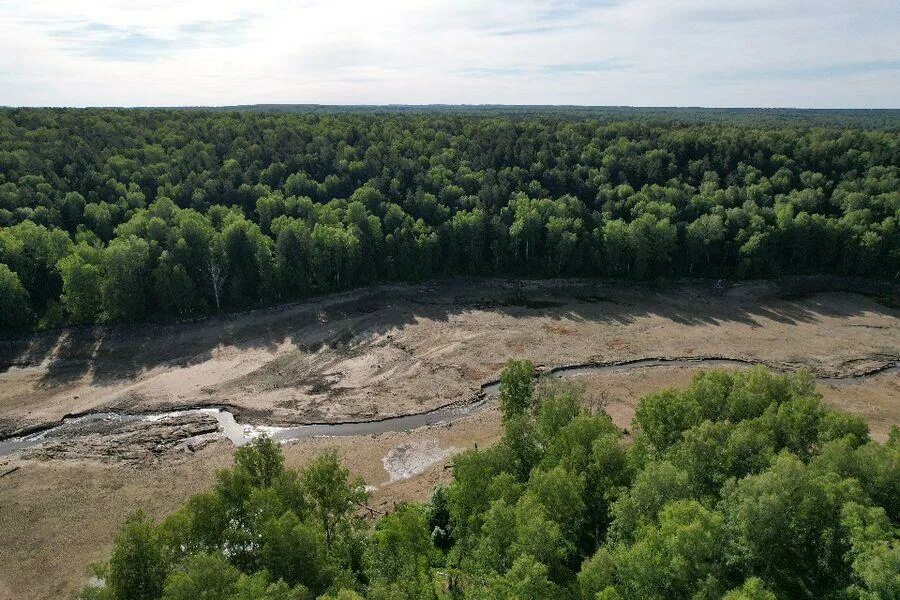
<point>369,508</point>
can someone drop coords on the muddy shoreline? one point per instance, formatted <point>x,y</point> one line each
<point>258,417</point>
<point>229,427</point>
<point>398,350</point>
<point>371,355</point>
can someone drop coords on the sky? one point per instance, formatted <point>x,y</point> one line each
<point>785,53</point>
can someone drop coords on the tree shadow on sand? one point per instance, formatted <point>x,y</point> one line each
<point>111,353</point>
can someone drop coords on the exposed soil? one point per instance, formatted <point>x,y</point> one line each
<point>399,349</point>
<point>57,517</point>
<point>359,355</point>
<point>412,458</point>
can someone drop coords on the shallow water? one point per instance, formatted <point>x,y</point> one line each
<point>240,433</point>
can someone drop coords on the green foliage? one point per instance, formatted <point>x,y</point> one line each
<point>332,496</point>
<point>874,551</point>
<point>678,558</point>
<point>295,552</point>
<point>516,387</point>
<point>743,487</point>
<point>262,532</point>
<point>741,482</point>
<point>261,461</point>
<point>658,484</point>
<point>211,577</point>
<point>526,580</point>
<point>398,559</point>
<point>259,587</point>
<point>662,417</point>
<point>14,311</point>
<point>204,576</point>
<point>125,280</point>
<point>138,565</point>
<point>438,515</point>
<point>753,589</point>
<point>354,198</point>
<point>342,594</point>
<point>556,405</point>
<point>82,274</point>
<point>788,497</point>
<point>32,251</point>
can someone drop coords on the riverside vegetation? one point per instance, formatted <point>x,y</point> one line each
<point>123,215</point>
<point>741,486</point>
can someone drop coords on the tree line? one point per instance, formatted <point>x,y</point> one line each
<point>741,486</point>
<point>120,215</point>
<point>869,118</point>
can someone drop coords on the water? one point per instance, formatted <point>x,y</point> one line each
<point>240,433</point>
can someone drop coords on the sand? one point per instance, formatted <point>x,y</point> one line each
<point>367,354</point>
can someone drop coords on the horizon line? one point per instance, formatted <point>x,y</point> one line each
<point>438,105</point>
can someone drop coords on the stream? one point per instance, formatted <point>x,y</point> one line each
<point>240,433</point>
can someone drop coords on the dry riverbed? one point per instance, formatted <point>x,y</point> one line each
<point>365,355</point>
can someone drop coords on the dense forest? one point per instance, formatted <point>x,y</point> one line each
<point>742,486</point>
<point>123,215</point>
<point>871,118</point>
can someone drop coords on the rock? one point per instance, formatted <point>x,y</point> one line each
<point>132,440</point>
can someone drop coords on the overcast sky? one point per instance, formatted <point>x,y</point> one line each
<point>599,52</point>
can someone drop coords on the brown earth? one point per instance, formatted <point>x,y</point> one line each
<point>58,517</point>
<point>386,351</point>
<point>398,349</point>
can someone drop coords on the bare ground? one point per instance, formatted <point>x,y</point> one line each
<point>388,351</point>
<point>400,349</point>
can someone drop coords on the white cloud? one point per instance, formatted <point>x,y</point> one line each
<point>635,52</point>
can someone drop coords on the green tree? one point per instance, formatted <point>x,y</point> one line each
<point>652,243</point>
<point>32,251</point>
<point>295,552</point>
<point>261,460</point>
<point>655,486</point>
<point>678,558</point>
<point>173,288</point>
<point>516,388</point>
<point>525,580</point>
<point>398,558</point>
<point>335,256</point>
<point>663,417</point>
<point>874,553</point>
<point>125,278</point>
<point>519,449</point>
<point>248,261</point>
<point>333,496</point>
<point>293,250</point>
<point>14,311</point>
<point>83,273</point>
<point>780,526</point>
<point>469,496</point>
<point>260,587</point>
<point>753,589</point>
<point>206,576</point>
<point>561,493</point>
<point>138,566</point>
